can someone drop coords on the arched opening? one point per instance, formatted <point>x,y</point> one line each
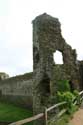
<point>58,58</point>
<point>44,88</point>
<point>45,85</point>
<point>71,85</point>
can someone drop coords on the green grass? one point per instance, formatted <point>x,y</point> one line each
<point>9,112</point>
<point>63,121</point>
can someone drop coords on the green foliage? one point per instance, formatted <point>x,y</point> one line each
<point>68,97</point>
<point>63,120</point>
<point>63,86</point>
<point>64,94</point>
<point>76,93</point>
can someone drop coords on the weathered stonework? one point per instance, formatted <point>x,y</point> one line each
<point>47,39</point>
<point>80,63</point>
<point>17,90</point>
<point>42,83</point>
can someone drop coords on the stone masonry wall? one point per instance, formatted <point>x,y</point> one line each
<point>47,38</point>
<point>17,90</point>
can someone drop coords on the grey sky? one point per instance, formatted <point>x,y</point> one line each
<point>16,30</point>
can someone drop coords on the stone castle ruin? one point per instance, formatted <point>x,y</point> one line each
<point>47,39</point>
<point>42,83</point>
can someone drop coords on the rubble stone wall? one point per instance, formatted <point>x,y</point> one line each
<point>17,90</point>
<point>47,38</point>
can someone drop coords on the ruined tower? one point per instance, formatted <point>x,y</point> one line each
<point>47,39</point>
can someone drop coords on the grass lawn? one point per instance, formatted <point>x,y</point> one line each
<point>9,112</point>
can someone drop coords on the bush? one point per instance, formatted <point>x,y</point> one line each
<point>65,96</point>
<point>76,93</point>
<point>63,86</point>
<point>68,97</point>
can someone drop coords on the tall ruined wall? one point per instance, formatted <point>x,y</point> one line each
<point>80,63</point>
<point>17,90</point>
<point>47,39</point>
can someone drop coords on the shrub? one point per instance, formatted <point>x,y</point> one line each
<point>63,85</point>
<point>76,93</point>
<point>68,97</point>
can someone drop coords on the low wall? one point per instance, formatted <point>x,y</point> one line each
<point>17,90</point>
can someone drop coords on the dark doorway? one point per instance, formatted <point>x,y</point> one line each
<point>81,76</point>
<point>71,85</point>
<point>45,85</point>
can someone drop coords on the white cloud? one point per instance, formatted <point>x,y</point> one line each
<point>16,29</point>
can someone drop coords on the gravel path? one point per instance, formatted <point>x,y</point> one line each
<point>78,118</point>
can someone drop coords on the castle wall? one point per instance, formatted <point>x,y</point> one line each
<point>47,38</point>
<point>17,90</point>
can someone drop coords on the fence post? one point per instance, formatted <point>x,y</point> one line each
<point>46,116</point>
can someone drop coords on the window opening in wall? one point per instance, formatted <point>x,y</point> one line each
<point>58,58</point>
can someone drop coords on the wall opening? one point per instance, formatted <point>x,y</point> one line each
<point>44,88</point>
<point>71,85</point>
<point>45,85</point>
<point>58,58</point>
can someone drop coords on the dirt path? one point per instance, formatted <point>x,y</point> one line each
<point>78,118</point>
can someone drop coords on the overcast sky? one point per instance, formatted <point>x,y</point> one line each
<point>16,30</point>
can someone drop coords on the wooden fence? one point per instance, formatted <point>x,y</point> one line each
<point>81,94</point>
<point>45,114</point>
